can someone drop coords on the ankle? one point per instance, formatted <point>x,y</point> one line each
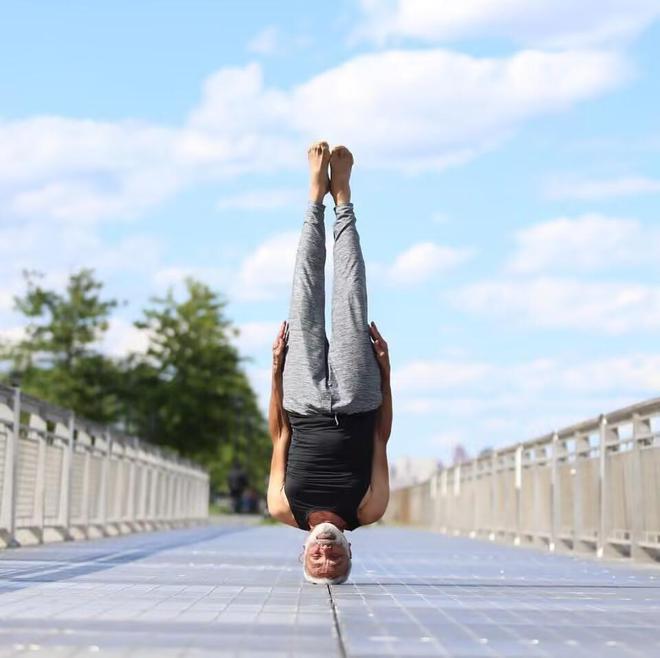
<point>317,194</point>
<point>342,196</point>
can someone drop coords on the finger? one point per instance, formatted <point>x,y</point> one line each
<point>375,330</point>
<point>378,349</point>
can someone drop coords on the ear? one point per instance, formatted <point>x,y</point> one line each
<point>350,552</point>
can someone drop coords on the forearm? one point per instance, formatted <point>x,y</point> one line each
<point>278,421</point>
<point>386,412</point>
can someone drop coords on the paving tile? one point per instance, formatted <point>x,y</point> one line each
<point>225,590</point>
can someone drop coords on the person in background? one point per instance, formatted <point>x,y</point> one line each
<point>237,481</point>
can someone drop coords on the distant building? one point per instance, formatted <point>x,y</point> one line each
<point>412,470</point>
<point>460,455</point>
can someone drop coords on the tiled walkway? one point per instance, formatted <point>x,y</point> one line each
<point>226,590</point>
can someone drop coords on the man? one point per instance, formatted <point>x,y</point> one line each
<point>330,413</point>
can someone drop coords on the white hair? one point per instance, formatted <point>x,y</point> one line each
<point>338,580</point>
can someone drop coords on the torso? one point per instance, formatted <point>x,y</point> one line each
<point>329,466</point>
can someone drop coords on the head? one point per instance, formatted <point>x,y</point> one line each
<point>326,556</point>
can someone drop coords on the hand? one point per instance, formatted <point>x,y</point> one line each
<point>380,348</point>
<point>279,347</point>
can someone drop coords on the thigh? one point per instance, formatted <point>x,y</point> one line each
<point>305,376</point>
<point>354,376</point>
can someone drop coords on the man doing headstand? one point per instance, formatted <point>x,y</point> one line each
<point>330,413</point>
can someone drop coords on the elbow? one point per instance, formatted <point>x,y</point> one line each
<point>384,435</point>
<point>274,511</point>
<point>275,506</point>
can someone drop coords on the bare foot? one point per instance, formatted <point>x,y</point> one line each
<point>318,155</point>
<point>341,163</point>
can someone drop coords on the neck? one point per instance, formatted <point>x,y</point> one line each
<point>315,518</point>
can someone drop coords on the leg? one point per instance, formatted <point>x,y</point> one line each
<point>354,373</point>
<point>305,374</point>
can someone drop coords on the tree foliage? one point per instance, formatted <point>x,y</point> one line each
<point>188,391</point>
<point>57,359</point>
<point>195,396</point>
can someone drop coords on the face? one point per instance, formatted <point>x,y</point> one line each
<point>327,552</point>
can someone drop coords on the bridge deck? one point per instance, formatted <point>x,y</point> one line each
<point>226,590</point>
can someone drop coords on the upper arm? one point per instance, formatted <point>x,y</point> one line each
<point>278,506</point>
<point>375,503</point>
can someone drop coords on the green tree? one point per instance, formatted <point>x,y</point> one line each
<point>189,390</point>
<point>57,359</point>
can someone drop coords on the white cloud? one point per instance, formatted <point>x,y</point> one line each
<point>421,261</point>
<point>585,243</point>
<point>123,338</point>
<point>254,336</point>
<point>270,199</point>
<point>405,110</point>
<point>33,243</point>
<point>483,387</point>
<point>174,276</point>
<point>563,303</point>
<point>265,42</point>
<point>503,403</point>
<point>438,374</point>
<point>6,300</point>
<point>554,23</point>
<point>268,271</point>
<point>415,110</point>
<point>84,170</point>
<point>594,190</point>
<point>12,334</point>
<point>265,273</point>
<point>60,249</point>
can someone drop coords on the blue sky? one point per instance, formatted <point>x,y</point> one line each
<point>506,184</point>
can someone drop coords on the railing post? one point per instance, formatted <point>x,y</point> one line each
<point>457,492</point>
<point>64,520</point>
<point>443,496</point>
<point>433,493</point>
<point>555,511</point>
<point>84,503</point>
<point>176,494</point>
<point>11,470</point>
<point>494,503</point>
<point>37,430</point>
<point>474,507</point>
<point>130,464</point>
<point>103,487</point>
<point>156,483</point>
<point>142,515</point>
<point>518,490</point>
<point>642,434</point>
<point>603,489</point>
<point>578,492</point>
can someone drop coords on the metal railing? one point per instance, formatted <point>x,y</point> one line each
<point>593,487</point>
<point>63,477</point>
